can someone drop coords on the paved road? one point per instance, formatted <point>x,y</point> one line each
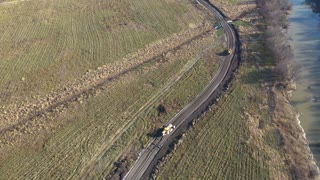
<point>147,155</point>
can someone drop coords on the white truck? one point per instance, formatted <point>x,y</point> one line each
<point>167,129</point>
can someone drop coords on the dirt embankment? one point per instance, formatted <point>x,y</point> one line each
<point>15,116</point>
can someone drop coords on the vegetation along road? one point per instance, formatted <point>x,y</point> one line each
<point>148,156</point>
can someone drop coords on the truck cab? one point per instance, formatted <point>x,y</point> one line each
<point>167,129</point>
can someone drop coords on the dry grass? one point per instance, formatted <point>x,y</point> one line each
<point>234,9</point>
<point>19,113</point>
<point>87,136</point>
<point>238,138</point>
<point>46,44</point>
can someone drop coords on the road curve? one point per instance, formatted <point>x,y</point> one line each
<point>147,155</point>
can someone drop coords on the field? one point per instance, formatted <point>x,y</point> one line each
<point>85,84</point>
<point>86,138</point>
<point>238,138</point>
<point>82,82</point>
<point>46,44</point>
<point>231,144</point>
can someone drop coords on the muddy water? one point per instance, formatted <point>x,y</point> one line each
<point>304,31</point>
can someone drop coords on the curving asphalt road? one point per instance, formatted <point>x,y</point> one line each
<point>148,155</point>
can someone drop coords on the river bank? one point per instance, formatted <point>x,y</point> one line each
<point>303,31</point>
<point>301,161</point>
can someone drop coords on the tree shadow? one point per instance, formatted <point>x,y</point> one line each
<point>155,134</point>
<point>223,53</point>
<point>161,109</point>
<point>259,76</point>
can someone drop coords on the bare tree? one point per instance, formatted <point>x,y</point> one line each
<point>275,13</point>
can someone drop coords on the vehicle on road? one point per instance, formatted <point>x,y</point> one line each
<point>217,26</point>
<point>167,129</point>
<point>151,155</point>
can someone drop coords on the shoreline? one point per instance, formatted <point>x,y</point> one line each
<point>305,141</point>
<point>313,160</point>
<point>303,28</point>
<point>292,88</point>
<point>301,161</point>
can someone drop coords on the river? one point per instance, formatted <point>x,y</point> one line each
<point>304,34</point>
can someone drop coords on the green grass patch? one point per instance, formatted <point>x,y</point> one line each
<point>219,33</point>
<point>233,2</point>
<point>240,23</point>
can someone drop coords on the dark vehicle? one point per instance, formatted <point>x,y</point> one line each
<point>217,26</point>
